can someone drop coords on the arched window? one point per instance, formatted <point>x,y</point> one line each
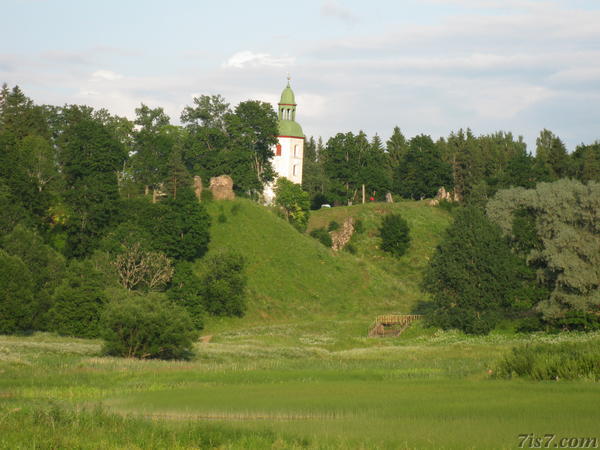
<point>278,150</point>
<point>295,170</point>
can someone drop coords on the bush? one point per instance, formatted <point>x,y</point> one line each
<point>148,326</point>
<point>394,234</point>
<point>566,361</point>
<point>359,226</point>
<point>350,248</point>
<point>186,290</point>
<point>322,236</point>
<point>333,225</point>
<point>223,284</point>
<point>16,295</point>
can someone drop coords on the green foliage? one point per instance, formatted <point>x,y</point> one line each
<point>562,361</point>
<point>45,265</point>
<point>92,157</point>
<point>556,225</point>
<point>323,236</point>
<point>359,226</point>
<point>551,155</point>
<point>293,201</point>
<point>179,227</point>
<point>78,301</point>
<point>474,278</point>
<point>586,162</point>
<point>422,171</point>
<point>333,225</point>
<point>223,281</point>
<point>394,233</point>
<point>148,326</point>
<point>186,290</point>
<point>17,305</point>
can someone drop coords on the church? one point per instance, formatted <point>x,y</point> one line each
<point>289,149</point>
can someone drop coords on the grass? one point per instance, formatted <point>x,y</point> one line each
<point>292,277</point>
<point>274,386</point>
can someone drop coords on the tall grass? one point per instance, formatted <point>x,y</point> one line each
<point>559,361</point>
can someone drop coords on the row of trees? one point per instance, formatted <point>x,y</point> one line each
<point>533,255</point>
<point>98,209</point>
<point>474,167</point>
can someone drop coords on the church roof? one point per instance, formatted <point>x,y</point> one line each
<point>290,128</point>
<point>287,96</point>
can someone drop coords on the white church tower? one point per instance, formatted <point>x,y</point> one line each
<point>289,150</point>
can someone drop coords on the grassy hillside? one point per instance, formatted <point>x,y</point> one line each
<point>293,278</point>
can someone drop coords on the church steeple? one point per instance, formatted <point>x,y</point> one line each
<point>287,113</point>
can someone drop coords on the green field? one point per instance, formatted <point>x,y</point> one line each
<point>298,371</point>
<point>286,387</point>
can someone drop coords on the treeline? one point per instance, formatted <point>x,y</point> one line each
<point>473,167</point>
<point>98,209</point>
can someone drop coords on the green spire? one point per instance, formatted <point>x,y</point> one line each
<point>287,113</point>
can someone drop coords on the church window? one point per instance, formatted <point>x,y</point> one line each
<point>278,150</point>
<point>295,170</point>
<point>295,151</point>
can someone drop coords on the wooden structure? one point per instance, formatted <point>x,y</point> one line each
<point>391,324</point>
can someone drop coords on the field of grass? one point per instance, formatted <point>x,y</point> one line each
<point>294,386</point>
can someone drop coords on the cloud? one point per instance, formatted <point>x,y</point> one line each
<point>247,58</point>
<point>105,75</point>
<point>331,8</point>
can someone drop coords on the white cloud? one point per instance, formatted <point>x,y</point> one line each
<point>105,75</point>
<point>247,58</point>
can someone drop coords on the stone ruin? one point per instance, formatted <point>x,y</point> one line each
<point>222,187</point>
<point>341,236</point>
<point>443,194</point>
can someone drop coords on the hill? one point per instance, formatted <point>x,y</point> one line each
<point>292,277</point>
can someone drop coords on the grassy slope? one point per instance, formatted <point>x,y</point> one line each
<point>293,278</point>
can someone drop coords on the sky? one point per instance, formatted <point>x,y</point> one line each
<point>427,66</point>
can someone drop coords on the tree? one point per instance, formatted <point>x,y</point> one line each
<point>252,131</point>
<point>224,284</point>
<point>148,326</point>
<point>138,268</point>
<point>394,233</point>
<point>565,249</point>
<point>92,158</point>
<point>551,154</point>
<point>177,174</point>
<point>78,301</point>
<point>152,144</point>
<point>396,148</point>
<point>181,227</point>
<point>45,265</point>
<point>422,171</point>
<point>586,162</point>
<point>16,295</point>
<point>293,201</point>
<point>474,278</point>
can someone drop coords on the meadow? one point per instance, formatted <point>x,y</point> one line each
<point>287,386</point>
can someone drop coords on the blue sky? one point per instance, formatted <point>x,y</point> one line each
<point>429,66</point>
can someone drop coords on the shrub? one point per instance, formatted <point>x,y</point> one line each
<point>148,326</point>
<point>206,196</point>
<point>350,248</point>
<point>333,225</point>
<point>186,290</point>
<point>293,201</point>
<point>16,295</point>
<point>394,234</point>
<point>565,360</point>
<point>223,284</point>
<point>322,236</point>
<point>235,209</point>
<point>359,226</point>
